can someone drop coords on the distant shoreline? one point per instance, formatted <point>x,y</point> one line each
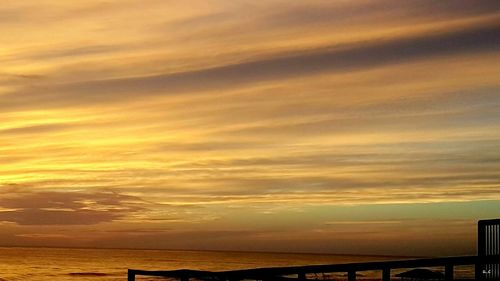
<point>215,250</point>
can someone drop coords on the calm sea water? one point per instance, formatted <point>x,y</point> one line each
<point>108,265</point>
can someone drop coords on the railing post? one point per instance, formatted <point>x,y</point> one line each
<point>386,274</point>
<point>351,275</point>
<point>478,271</point>
<point>481,251</point>
<point>448,272</point>
<point>131,275</point>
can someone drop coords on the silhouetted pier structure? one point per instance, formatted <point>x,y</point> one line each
<point>488,244</point>
<point>487,265</point>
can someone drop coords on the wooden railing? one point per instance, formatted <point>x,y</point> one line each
<point>487,264</point>
<point>278,273</point>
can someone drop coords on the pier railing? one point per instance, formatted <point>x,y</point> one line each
<point>278,273</point>
<point>486,264</point>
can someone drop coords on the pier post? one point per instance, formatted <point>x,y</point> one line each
<point>386,274</point>
<point>351,275</point>
<point>448,272</point>
<point>131,275</point>
<point>302,276</point>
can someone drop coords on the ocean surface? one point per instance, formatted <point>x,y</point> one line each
<point>58,264</point>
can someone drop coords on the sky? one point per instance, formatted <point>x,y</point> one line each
<point>359,127</point>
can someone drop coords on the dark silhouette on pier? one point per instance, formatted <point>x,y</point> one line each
<point>486,262</point>
<point>419,274</point>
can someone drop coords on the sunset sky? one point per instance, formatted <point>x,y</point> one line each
<point>305,126</point>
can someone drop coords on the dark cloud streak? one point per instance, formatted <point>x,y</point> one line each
<point>339,58</point>
<point>35,129</point>
<point>310,14</point>
<point>65,208</point>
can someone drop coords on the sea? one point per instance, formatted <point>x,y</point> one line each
<point>69,264</point>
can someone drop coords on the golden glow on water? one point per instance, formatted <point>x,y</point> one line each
<point>112,264</point>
